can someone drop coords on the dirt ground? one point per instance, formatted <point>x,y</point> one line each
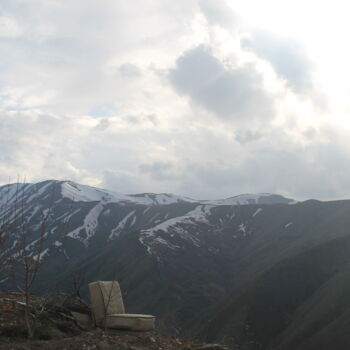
<point>56,329</point>
<point>100,340</point>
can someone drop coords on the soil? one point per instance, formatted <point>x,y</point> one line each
<point>55,328</point>
<point>104,340</point>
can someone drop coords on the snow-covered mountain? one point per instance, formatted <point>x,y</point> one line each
<point>83,193</point>
<point>174,256</point>
<point>83,210</point>
<point>245,199</point>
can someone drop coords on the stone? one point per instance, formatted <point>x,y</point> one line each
<point>84,321</point>
<point>211,347</point>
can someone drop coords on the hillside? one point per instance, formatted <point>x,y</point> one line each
<point>173,256</point>
<point>300,303</point>
<point>56,329</point>
<point>255,271</point>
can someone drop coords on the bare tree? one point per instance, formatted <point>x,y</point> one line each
<point>25,265</point>
<point>3,241</point>
<point>78,280</point>
<point>25,255</point>
<point>5,213</point>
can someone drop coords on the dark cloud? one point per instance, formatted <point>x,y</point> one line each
<point>245,136</point>
<point>139,119</point>
<point>231,94</point>
<point>287,57</point>
<point>128,70</point>
<point>153,119</point>
<point>133,119</point>
<point>103,124</point>
<point>94,75</point>
<point>318,170</point>
<point>121,181</point>
<point>217,12</point>
<point>310,133</point>
<point>158,170</point>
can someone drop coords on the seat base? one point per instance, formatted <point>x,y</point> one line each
<point>132,322</point>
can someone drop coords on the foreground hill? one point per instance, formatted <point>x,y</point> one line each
<point>173,256</point>
<point>255,271</point>
<point>300,303</point>
<point>56,329</point>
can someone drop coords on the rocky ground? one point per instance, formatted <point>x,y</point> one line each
<point>56,328</point>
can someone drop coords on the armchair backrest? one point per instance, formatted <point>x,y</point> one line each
<point>106,299</point>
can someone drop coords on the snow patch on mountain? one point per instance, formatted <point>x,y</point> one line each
<point>175,226</point>
<point>161,198</point>
<point>122,224</point>
<point>70,215</point>
<point>33,213</point>
<point>162,241</point>
<point>242,227</point>
<point>199,214</point>
<point>57,244</point>
<point>257,212</point>
<point>9,194</point>
<point>243,199</point>
<point>83,193</point>
<point>89,225</point>
<point>37,193</point>
<point>42,255</point>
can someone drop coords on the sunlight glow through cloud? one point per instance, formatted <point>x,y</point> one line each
<point>206,98</point>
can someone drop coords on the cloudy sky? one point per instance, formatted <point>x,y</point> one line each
<point>205,98</point>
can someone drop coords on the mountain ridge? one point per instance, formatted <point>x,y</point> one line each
<point>178,259</point>
<point>78,192</point>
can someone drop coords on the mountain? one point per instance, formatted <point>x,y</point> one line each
<point>255,271</point>
<point>155,241</point>
<point>56,329</point>
<point>301,300</point>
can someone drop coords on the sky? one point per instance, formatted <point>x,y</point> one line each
<point>203,98</point>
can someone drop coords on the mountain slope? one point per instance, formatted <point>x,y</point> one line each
<point>183,247</point>
<point>254,266</point>
<point>294,305</point>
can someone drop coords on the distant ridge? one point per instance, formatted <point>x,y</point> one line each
<point>246,268</point>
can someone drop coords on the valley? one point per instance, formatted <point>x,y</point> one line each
<point>252,271</point>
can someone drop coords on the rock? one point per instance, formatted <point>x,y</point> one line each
<point>103,346</point>
<point>151,339</point>
<point>84,321</point>
<point>54,333</point>
<point>211,347</point>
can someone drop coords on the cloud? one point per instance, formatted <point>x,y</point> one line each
<point>149,96</point>
<point>217,12</point>
<point>159,170</point>
<point>244,136</point>
<point>9,28</point>
<point>128,70</point>
<point>103,124</point>
<point>34,145</point>
<point>275,163</point>
<point>201,162</point>
<point>85,55</point>
<point>235,94</point>
<point>287,57</point>
<point>122,182</point>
